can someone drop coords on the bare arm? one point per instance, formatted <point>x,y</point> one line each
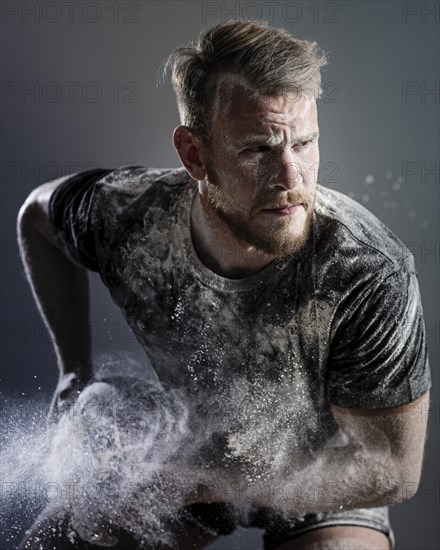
<point>60,289</point>
<point>380,464</point>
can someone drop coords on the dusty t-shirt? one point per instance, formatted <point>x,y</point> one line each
<point>261,357</point>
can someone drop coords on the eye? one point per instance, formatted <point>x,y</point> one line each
<point>302,144</point>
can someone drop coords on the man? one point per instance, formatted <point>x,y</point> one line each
<point>287,313</point>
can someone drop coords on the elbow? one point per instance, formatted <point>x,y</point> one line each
<point>405,484</point>
<point>408,486</point>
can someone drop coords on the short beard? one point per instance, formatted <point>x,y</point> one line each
<point>278,242</point>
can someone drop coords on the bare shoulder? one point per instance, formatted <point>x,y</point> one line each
<point>41,194</point>
<point>34,212</point>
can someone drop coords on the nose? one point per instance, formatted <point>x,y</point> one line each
<point>285,172</point>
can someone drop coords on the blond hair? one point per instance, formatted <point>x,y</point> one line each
<point>268,59</point>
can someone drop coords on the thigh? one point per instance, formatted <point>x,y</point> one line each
<point>341,537</point>
<point>188,537</point>
<point>52,530</point>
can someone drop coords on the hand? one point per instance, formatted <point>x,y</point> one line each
<point>197,486</point>
<point>67,391</point>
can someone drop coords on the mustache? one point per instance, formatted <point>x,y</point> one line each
<point>280,200</point>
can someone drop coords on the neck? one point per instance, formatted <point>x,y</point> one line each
<point>218,248</point>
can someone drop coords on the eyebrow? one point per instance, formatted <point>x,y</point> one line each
<point>272,140</point>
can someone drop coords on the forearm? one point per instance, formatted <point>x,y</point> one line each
<point>60,289</point>
<point>362,467</point>
<point>339,479</point>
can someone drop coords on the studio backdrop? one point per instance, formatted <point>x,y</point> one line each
<point>80,90</point>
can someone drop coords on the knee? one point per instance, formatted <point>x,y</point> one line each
<point>43,537</point>
<point>339,538</point>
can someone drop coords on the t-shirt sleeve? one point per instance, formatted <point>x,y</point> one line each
<point>378,355</point>
<point>71,215</point>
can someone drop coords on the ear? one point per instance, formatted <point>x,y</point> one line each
<point>191,152</point>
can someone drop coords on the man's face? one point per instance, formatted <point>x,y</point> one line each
<point>262,167</point>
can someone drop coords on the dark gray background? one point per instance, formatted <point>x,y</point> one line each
<point>379,143</point>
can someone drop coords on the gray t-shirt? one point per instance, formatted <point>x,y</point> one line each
<point>262,357</point>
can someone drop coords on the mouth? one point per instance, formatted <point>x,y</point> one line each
<point>285,209</point>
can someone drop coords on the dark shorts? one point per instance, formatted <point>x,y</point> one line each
<point>53,528</point>
<point>223,519</point>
